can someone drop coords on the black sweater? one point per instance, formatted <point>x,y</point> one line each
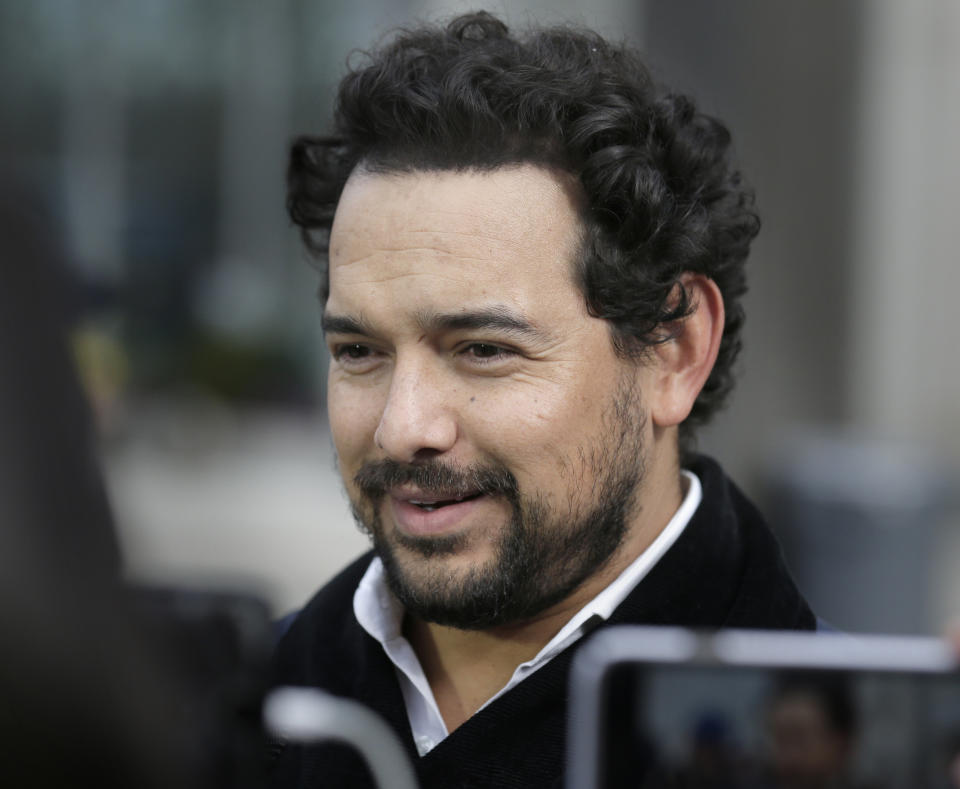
<point>725,570</point>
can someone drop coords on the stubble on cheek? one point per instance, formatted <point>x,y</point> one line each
<point>364,513</point>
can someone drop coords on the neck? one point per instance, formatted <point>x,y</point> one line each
<point>465,668</point>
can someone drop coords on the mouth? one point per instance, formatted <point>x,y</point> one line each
<point>423,513</point>
<point>431,504</point>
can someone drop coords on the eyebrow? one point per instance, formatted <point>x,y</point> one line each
<point>495,318</point>
<point>344,324</point>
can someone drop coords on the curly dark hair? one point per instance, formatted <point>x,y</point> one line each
<point>661,196</point>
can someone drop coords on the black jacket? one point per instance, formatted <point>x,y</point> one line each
<point>725,570</point>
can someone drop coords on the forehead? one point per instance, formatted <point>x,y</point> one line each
<point>508,233</point>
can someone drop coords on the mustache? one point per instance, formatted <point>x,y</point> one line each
<point>375,478</point>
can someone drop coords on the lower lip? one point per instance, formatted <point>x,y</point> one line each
<point>418,522</point>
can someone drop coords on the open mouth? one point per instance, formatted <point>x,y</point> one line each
<point>430,505</point>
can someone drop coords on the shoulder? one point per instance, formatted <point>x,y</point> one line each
<point>725,570</point>
<point>324,631</point>
<point>337,593</point>
<point>724,503</point>
<point>766,595</point>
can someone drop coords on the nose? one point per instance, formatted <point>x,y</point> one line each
<point>418,420</point>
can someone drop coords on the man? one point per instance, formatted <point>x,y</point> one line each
<point>812,732</point>
<point>535,262</point>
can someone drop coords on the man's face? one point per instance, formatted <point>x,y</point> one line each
<point>806,751</point>
<point>489,437</point>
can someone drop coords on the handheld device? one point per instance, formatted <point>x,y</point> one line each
<point>665,708</point>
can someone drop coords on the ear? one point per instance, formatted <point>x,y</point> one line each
<point>680,367</point>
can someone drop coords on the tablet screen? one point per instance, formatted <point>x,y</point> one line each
<point>694,727</point>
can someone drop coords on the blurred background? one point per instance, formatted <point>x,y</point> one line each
<point>150,138</point>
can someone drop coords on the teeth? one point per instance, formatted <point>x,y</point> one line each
<point>429,505</point>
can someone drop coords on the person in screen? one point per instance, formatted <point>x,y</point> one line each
<point>812,728</point>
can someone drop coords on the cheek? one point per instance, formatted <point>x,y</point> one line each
<point>536,433</point>
<point>353,421</point>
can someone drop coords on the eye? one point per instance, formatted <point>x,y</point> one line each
<point>485,353</point>
<point>483,350</point>
<point>355,356</point>
<point>352,351</point>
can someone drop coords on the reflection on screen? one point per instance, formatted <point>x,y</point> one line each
<point>735,728</point>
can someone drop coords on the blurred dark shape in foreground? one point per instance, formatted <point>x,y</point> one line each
<point>100,686</point>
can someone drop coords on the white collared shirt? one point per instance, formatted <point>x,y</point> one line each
<point>381,615</point>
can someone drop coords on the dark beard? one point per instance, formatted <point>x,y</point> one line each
<point>542,556</point>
